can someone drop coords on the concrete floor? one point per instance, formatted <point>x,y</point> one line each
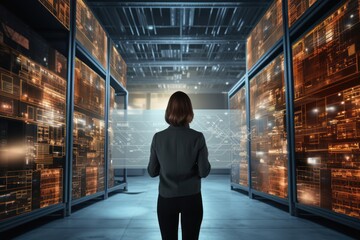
<point>228,215</point>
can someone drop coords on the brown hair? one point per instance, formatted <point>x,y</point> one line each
<point>179,111</point>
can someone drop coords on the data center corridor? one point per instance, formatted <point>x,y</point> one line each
<point>228,215</point>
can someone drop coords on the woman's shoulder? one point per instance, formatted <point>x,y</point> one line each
<point>161,132</point>
<point>196,133</point>
<point>187,130</point>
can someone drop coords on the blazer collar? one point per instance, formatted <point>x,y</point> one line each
<point>179,127</point>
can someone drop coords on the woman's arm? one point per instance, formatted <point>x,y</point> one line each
<point>154,166</point>
<point>203,161</point>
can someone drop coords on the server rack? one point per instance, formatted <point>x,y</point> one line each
<point>55,22</point>
<point>330,192</point>
<point>118,98</point>
<point>240,156</point>
<point>33,96</point>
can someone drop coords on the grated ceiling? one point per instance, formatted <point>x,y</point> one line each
<point>194,46</point>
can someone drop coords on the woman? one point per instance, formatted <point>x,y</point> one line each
<point>180,156</point>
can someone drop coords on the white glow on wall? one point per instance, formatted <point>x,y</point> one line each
<point>134,129</point>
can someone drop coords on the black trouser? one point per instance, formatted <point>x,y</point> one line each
<point>191,210</point>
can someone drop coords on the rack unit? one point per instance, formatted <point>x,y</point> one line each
<point>111,178</point>
<point>297,8</point>
<point>54,78</point>
<point>267,126</point>
<point>240,155</point>
<point>118,100</point>
<point>88,132</point>
<point>32,121</point>
<point>266,33</point>
<point>327,128</point>
<point>117,176</point>
<point>117,66</point>
<point>60,9</point>
<point>305,84</point>
<point>90,34</point>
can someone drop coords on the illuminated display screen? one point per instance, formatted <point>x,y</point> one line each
<point>265,34</point>
<point>327,107</point>
<point>32,132</point>
<point>90,33</point>
<point>89,132</point>
<point>134,129</point>
<point>240,155</point>
<point>117,66</point>
<point>297,9</point>
<point>60,9</point>
<point>268,130</point>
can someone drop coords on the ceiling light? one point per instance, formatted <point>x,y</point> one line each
<point>150,27</point>
<point>227,83</point>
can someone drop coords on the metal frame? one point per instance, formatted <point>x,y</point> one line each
<point>83,54</point>
<point>124,92</point>
<point>242,83</point>
<point>289,100</point>
<point>184,4</point>
<point>176,40</point>
<point>247,102</point>
<point>301,26</point>
<point>237,86</point>
<point>270,55</point>
<point>70,109</point>
<point>274,198</point>
<point>121,187</point>
<point>126,102</point>
<point>337,217</point>
<point>87,198</point>
<point>107,106</point>
<point>235,186</point>
<point>30,216</point>
<point>172,63</point>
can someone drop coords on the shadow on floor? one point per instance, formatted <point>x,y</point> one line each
<point>346,230</point>
<point>39,222</point>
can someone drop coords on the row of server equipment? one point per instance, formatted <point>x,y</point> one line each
<point>317,106</point>
<point>34,94</point>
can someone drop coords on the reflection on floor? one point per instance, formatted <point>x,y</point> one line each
<point>228,215</point>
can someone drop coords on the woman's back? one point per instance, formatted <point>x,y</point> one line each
<point>182,155</point>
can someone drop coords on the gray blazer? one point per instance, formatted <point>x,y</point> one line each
<point>180,156</point>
